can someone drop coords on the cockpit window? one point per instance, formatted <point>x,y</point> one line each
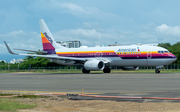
<point>163,52</point>
<point>160,52</point>
<point>166,51</point>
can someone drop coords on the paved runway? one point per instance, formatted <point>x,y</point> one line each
<point>91,83</point>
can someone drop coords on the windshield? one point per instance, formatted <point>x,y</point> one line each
<point>163,52</point>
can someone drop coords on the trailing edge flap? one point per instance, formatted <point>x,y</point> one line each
<point>44,52</point>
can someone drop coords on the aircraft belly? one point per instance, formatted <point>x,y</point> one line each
<point>63,62</point>
<point>139,62</point>
<point>129,62</point>
<point>156,62</point>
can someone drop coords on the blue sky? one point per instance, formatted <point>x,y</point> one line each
<point>93,22</point>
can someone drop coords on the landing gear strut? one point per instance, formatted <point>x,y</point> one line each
<point>85,71</point>
<point>157,71</point>
<point>107,70</point>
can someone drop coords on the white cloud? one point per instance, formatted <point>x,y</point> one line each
<point>22,40</point>
<point>79,11</point>
<point>59,7</point>
<point>73,7</point>
<point>88,12</point>
<point>165,29</point>
<point>92,37</point>
<point>146,35</point>
<point>87,25</point>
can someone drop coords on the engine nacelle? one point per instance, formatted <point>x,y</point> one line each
<point>94,65</point>
<point>130,68</point>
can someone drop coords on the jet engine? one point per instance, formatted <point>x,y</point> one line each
<point>130,68</point>
<point>94,65</point>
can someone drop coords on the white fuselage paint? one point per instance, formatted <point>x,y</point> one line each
<point>118,61</point>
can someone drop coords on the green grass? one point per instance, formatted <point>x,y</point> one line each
<point>7,104</point>
<point>32,96</point>
<point>79,71</point>
<point>147,71</point>
<point>6,94</point>
<point>112,71</point>
<point>10,104</point>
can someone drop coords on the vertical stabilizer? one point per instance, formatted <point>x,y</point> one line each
<point>47,46</point>
<point>47,38</point>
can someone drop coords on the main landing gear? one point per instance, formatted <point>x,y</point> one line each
<point>85,71</point>
<point>107,70</point>
<point>157,71</point>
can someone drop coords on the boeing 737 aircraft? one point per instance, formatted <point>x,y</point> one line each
<point>101,58</point>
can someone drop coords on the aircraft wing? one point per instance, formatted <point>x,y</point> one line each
<point>55,57</point>
<point>46,56</point>
<point>44,52</point>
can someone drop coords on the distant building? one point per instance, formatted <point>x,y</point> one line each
<point>70,44</point>
<point>146,44</point>
<point>114,45</point>
<point>13,61</point>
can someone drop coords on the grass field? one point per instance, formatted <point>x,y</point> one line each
<point>79,71</point>
<point>11,104</point>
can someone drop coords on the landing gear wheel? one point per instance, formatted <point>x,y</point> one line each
<point>85,71</point>
<point>157,71</point>
<point>106,70</point>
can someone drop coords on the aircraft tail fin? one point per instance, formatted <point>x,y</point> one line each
<point>49,44</point>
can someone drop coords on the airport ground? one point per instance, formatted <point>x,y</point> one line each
<point>114,84</point>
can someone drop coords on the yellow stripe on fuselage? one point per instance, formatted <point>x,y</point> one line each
<point>77,52</point>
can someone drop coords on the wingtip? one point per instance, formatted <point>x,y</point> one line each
<point>8,48</point>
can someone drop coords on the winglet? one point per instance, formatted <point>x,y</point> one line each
<point>9,49</point>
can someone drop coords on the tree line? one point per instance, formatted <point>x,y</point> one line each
<point>175,49</point>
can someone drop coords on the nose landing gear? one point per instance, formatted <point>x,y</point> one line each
<point>158,69</point>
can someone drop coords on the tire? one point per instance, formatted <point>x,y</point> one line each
<point>157,71</point>
<point>106,70</point>
<point>85,71</point>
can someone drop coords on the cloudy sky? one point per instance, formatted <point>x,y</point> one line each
<point>93,22</point>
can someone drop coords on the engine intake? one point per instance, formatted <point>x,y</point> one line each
<point>94,65</point>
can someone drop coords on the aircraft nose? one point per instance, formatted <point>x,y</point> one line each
<point>172,56</point>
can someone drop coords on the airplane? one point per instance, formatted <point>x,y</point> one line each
<point>129,57</point>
